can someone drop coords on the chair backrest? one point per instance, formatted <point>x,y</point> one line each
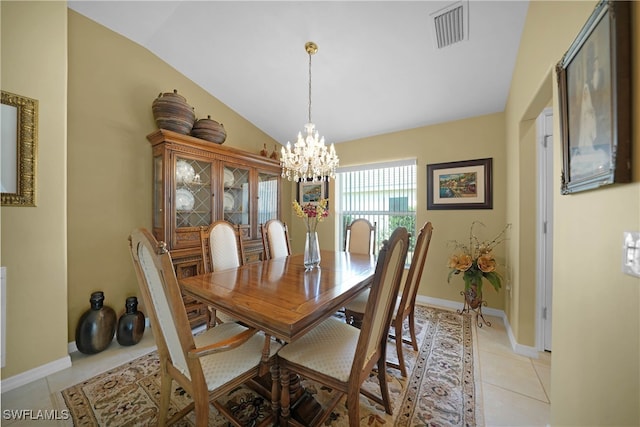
<point>360,237</point>
<point>275,239</point>
<point>414,275</point>
<point>381,303</point>
<point>221,245</point>
<point>162,298</point>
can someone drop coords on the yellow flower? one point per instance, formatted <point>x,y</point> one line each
<point>486,263</point>
<point>453,261</point>
<point>464,262</point>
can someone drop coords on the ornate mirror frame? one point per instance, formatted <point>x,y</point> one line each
<point>19,150</point>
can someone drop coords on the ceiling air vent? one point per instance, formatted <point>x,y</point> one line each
<point>451,24</point>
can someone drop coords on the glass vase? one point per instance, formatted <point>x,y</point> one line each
<point>311,250</point>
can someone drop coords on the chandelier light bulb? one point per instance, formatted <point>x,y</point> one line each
<point>309,158</point>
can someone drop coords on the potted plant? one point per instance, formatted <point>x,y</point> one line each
<point>475,261</point>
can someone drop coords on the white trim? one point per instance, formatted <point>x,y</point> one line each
<point>520,349</point>
<point>382,165</point>
<point>34,374</point>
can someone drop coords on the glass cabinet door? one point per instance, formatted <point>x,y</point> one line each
<point>267,197</point>
<point>192,193</point>
<point>158,200</point>
<point>236,197</point>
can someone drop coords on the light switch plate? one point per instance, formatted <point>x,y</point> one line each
<point>631,253</point>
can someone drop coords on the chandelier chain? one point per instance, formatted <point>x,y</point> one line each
<point>309,158</point>
<point>310,87</point>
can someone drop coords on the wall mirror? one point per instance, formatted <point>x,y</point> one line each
<point>18,150</point>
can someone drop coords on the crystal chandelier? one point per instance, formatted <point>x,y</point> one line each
<point>309,159</point>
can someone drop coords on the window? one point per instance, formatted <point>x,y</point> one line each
<point>383,193</point>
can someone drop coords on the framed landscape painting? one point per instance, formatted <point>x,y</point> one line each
<point>312,191</point>
<point>460,185</point>
<point>595,101</point>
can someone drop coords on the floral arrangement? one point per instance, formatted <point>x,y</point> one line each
<point>313,213</point>
<point>475,260</point>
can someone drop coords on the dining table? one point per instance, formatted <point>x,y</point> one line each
<point>285,300</point>
<point>280,296</point>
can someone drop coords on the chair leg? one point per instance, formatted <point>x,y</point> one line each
<point>398,331</point>
<point>384,389</point>
<point>353,406</point>
<point>165,395</point>
<point>202,411</point>
<point>412,330</point>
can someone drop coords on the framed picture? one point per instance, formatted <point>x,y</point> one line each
<point>312,191</point>
<point>594,83</point>
<point>18,150</point>
<point>460,185</point>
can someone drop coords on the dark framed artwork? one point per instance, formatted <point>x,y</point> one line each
<point>460,185</point>
<point>18,150</point>
<point>312,191</point>
<point>594,83</point>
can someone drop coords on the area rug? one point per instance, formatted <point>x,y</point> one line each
<point>440,389</point>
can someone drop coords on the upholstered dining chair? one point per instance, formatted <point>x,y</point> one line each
<point>405,304</point>
<point>360,237</point>
<point>221,248</point>
<point>208,365</point>
<point>275,239</point>
<point>342,357</point>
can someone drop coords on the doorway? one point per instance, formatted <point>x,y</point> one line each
<point>544,139</point>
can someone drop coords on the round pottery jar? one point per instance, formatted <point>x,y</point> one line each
<point>96,326</point>
<point>172,112</point>
<point>209,130</point>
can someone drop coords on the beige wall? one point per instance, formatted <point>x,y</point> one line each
<point>34,239</point>
<point>474,138</point>
<point>595,376</point>
<point>112,84</point>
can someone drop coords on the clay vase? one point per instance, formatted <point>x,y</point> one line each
<point>96,326</point>
<point>172,112</point>
<point>209,130</point>
<point>131,324</point>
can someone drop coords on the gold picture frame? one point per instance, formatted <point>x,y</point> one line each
<point>19,150</point>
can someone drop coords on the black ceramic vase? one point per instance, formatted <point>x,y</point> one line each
<point>131,324</point>
<point>96,326</point>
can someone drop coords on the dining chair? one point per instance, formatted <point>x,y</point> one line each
<point>360,237</point>
<point>342,357</point>
<point>208,365</point>
<point>405,304</point>
<point>275,239</point>
<point>221,248</point>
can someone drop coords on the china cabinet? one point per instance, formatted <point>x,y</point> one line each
<point>196,182</point>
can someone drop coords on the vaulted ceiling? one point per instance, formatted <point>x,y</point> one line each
<point>377,70</point>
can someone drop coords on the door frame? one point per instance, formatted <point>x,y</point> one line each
<point>544,235</point>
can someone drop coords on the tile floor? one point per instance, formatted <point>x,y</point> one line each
<point>515,388</point>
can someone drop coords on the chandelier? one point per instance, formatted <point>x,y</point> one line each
<point>309,158</point>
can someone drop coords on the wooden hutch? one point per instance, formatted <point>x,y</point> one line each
<point>196,182</point>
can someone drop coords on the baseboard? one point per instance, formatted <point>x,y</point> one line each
<point>34,374</point>
<point>517,348</point>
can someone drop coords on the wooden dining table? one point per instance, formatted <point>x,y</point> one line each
<point>279,296</point>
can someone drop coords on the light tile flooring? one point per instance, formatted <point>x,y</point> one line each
<point>515,388</point>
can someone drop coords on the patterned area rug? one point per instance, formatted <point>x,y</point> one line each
<point>439,391</point>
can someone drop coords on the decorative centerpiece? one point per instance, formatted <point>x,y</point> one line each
<point>313,213</point>
<point>475,261</point>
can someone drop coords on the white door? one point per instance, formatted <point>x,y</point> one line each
<point>545,228</point>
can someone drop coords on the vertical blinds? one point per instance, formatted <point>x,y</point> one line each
<point>383,193</point>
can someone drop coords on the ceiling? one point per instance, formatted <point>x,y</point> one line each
<point>377,69</point>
